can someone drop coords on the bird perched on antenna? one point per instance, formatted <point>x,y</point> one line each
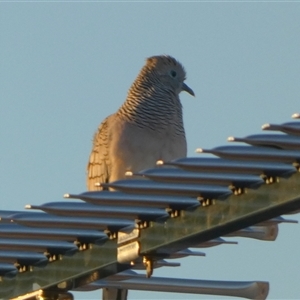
<point>148,126</point>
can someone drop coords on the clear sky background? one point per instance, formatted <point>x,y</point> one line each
<point>65,66</point>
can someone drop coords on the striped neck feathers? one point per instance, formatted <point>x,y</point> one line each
<point>152,105</point>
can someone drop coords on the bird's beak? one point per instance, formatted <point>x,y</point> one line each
<point>187,89</point>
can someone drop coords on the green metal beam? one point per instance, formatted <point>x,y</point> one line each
<point>189,228</point>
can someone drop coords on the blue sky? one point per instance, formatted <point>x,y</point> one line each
<point>65,66</point>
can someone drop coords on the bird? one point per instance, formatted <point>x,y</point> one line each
<point>146,128</point>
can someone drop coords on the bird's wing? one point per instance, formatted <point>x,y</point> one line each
<point>98,167</point>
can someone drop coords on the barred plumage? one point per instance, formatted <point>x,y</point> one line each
<point>146,128</point>
<point>151,103</point>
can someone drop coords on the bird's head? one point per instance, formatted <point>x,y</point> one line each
<point>169,72</point>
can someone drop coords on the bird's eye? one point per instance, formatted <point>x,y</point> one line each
<point>173,73</point>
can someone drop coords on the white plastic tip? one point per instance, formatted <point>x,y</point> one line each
<point>66,195</point>
<point>128,173</point>
<point>160,162</point>
<point>28,206</point>
<point>296,116</point>
<point>230,139</point>
<point>199,150</point>
<point>97,184</point>
<point>265,126</point>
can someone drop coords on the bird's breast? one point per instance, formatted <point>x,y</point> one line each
<point>135,148</point>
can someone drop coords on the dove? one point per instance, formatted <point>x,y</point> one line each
<point>146,128</point>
